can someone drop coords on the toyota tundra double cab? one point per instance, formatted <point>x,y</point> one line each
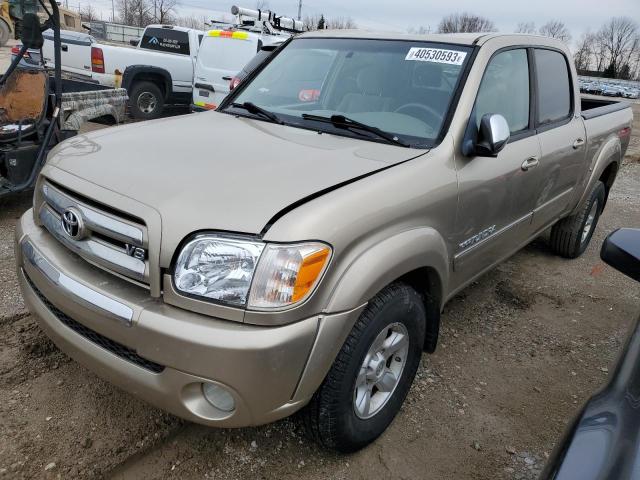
<point>303,262</point>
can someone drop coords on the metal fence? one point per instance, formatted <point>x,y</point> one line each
<point>114,32</point>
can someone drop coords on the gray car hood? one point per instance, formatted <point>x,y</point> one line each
<point>216,171</point>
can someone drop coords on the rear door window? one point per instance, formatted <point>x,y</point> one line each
<point>554,88</point>
<point>166,40</point>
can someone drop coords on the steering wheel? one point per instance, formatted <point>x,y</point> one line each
<point>434,114</point>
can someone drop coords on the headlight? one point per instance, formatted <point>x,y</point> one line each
<point>218,267</point>
<point>241,272</point>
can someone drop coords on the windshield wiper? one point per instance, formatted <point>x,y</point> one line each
<point>256,110</point>
<point>345,122</point>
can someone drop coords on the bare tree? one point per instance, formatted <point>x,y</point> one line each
<point>137,13</point>
<point>526,27</point>
<point>262,5</point>
<point>465,22</point>
<point>556,29</point>
<point>88,13</point>
<point>164,10</point>
<point>340,23</point>
<point>585,51</point>
<point>312,22</point>
<point>620,40</point>
<point>192,21</point>
<point>421,30</point>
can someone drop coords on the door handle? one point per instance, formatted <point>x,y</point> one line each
<point>578,143</point>
<point>530,163</point>
<point>228,79</point>
<point>64,48</point>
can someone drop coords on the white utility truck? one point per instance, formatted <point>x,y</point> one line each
<point>156,71</point>
<point>224,52</point>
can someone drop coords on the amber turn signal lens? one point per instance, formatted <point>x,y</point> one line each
<point>310,269</point>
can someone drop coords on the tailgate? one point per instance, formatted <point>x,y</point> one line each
<point>75,53</point>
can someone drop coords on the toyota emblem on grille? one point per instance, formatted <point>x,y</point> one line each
<point>72,224</point>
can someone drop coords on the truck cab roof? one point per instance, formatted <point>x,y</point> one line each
<point>478,38</point>
<point>174,27</point>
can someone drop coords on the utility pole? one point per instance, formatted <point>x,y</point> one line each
<point>299,9</point>
<point>113,11</point>
<point>155,11</point>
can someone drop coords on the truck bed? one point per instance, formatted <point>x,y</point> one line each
<point>596,107</point>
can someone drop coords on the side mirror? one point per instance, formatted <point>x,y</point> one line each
<point>134,42</point>
<point>493,135</point>
<point>621,250</point>
<point>31,34</point>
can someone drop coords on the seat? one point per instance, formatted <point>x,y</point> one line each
<point>22,103</point>
<point>369,99</point>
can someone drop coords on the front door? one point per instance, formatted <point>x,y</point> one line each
<point>496,195</point>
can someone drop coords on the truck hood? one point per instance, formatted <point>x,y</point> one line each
<point>219,172</point>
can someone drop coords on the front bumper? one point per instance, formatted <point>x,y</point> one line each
<point>163,354</point>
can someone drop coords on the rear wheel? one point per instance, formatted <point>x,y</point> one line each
<point>570,237</point>
<point>146,101</point>
<point>372,373</point>
<point>5,33</point>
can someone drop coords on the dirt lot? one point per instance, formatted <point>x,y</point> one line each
<point>521,349</point>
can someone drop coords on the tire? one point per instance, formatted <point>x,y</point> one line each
<point>570,237</point>
<point>5,33</point>
<point>146,101</point>
<point>336,417</point>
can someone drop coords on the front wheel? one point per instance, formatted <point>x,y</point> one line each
<point>570,237</point>
<point>146,101</point>
<point>372,373</point>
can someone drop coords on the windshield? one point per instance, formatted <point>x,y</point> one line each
<point>403,88</point>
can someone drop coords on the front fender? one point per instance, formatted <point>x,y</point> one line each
<point>387,261</point>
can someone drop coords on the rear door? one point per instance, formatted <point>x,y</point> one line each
<point>222,55</point>
<point>562,138</point>
<point>75,52</point>
<point>496,196</point>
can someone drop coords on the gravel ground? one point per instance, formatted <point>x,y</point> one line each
<point>520,350</point>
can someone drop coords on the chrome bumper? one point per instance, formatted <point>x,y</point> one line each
<point>164,354</point>
<point>74,290</point>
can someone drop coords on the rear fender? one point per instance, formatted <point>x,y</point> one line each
<point>610,152</point>
<point>136,73</point>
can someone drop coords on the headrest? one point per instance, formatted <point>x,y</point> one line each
<point>427,75</point>
<point>31,31</point>
<point>369,81</point>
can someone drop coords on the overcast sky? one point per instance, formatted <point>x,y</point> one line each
<point>399,15</point>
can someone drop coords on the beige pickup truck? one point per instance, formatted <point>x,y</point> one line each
<point>295,248</point>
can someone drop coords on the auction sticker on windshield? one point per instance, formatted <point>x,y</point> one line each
<point>436,55</point>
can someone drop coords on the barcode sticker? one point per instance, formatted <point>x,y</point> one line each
<point>436,55</point>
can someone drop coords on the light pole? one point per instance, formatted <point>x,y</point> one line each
<point>299,9</point>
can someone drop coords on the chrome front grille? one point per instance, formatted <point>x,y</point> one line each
<point>113,243</point>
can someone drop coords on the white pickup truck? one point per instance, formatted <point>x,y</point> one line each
<point>157,71</point>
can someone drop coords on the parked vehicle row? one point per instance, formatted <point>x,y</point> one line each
<point>609,88</point>
<point>309,271</point>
